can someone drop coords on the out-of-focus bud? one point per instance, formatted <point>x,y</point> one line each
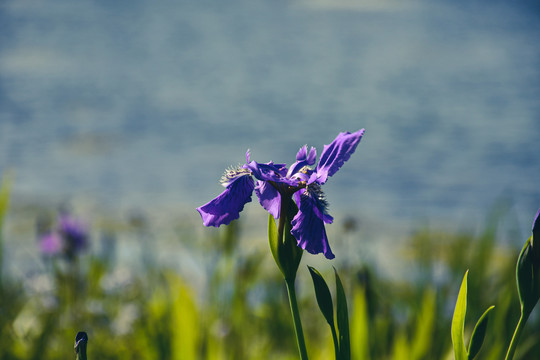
<point>528,269</point>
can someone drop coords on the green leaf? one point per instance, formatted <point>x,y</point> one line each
<point>283,245</point>
<point>527,278</point>
<point>5,189</point>
<point>342,315</point>
<point>184,319</point>
<point>479,333</point>
<point>274,241</point>
<point>322,293</point>
<point>422,341</point>
<point>458,322</point>
<point>4,196</point>
<point>360,325</point>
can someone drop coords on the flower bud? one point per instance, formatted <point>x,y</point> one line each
<point>528,269</point>
<point>283,245</point>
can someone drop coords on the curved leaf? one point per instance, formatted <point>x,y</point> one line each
<point>322,293</point>
<point>342,315</point>
<point>458,322</point>
<point>479,333</point>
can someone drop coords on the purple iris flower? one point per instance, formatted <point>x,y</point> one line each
<point>50,244</point>
<point>68,238</point>
<point>74,232</point>
<point>301,181</point>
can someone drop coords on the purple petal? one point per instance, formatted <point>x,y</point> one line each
<point>50,244</point>
<point>276,173</point>
<point>308,226</point>
<point>269,197</point>
<point>227,206</point>
<point>75,232</point>
<point>264,172</point>
<point>335,154</point>
<point>303,159</point>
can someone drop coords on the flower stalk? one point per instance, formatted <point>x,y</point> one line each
<point>287,256</point>
<point>517,334</point>
<point>528,282</point>
<point>296,319</point>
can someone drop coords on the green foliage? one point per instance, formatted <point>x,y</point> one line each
<point>458,322</point>
<point>342,315</point>
<point>322,293</point>
<point>528,276</point>
<point>232,307</point>
<point>528,282</point>
<point>458,325</point>
<point>286,253</point>
<point>342,344</point>
<point>5,190</point>
<point>478,334</point>
<point>425,324</point>
<point>324,300</point>
<point>360,326</point>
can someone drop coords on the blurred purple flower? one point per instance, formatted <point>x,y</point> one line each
<point>74,232</point>
<point>50,244</point>
<point>68,238</point>
<point>300,181</point>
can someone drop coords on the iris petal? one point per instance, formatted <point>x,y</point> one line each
<point>335,154</point>
<point>303,159</point>
<point>265,172</point>
<point>269,197</point>
<point>227,206</point>
<point>275,173</point>
<point>308,226</point>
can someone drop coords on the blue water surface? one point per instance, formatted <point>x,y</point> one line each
<point>141,104</point>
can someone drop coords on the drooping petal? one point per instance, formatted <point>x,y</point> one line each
<point>335,154</point>
<point>269,197</point>
<point>303,158</point>
<point>227,206</point>
<point>308,225</point>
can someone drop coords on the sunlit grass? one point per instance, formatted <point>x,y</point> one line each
<point>159,312</point>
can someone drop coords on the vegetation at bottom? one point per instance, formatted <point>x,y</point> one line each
<point>238,311</point>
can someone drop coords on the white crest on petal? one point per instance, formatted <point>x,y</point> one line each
<point>314,191</point>
<point>233,173</point>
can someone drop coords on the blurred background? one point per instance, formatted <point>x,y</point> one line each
<point>126,113</point>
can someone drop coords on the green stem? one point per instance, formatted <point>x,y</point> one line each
<point>296,319</point>
<point>517,333</point>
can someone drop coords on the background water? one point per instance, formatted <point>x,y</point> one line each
<point>142,104</point>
